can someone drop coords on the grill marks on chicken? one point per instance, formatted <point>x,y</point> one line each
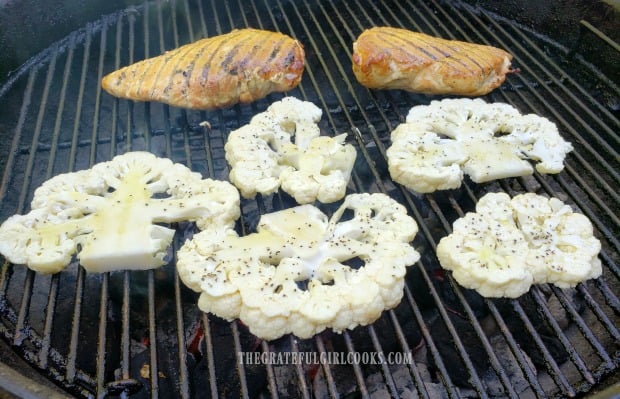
<point>238,67</point>
<point>394,58</point>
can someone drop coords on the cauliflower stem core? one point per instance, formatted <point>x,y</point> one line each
<point>109,215</point>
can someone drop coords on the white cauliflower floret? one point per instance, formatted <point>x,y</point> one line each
<point>509,244</point>
<point>446,139</point>
<point>109,213</point>
<point>438,169</point>
<point>303,272</point>
<point>563,249</point>
<point>264,158</point>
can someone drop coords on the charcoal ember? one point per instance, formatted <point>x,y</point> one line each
<point>343,375</point>
<point>541,326</point>
<point>228,381</point>
<point>163,287</point>
<point>385,332</point>
<point>417,284</point>
<point>510,366</point>
<point>455,366</point>
<point>141,371</point>
<point>571,295</point>
<point>362,342</point>
<point>447,290</point>
<point>227,364</point>
<point>445,286</point>
<point>343,378</point>
<point>402,380</point>
<point>288,381</point>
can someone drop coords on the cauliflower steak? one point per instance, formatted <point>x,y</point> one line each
<point>108,215</point>
<point>302,272</point>
<point>441,142</point>
<point>264,158</point>
<point>509,244</point>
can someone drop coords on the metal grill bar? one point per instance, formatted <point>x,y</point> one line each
<point>575,135</point>
<point>241,368</point>
<point>182,364</point>
<point>471,16</point>
<point>125,340</point>
<point>577,360</point>
<point>542,182</point>
<point>327,29</point>
<point>419,383</point>
<point>445,376</point>
<point>525,366</point>
<point>553,368</point>
<point>600,35</point>
<point>592,304</point>
<point>325,367</point>
<point>75,327</point>
<point>517,352</point>
<point>495,362</point>
<point>389,380</point>
<point>303,385</point>
<point>585,330</point>
<point>102,334</point>
<point>359,376</point>
<point>153,365</point>
<point>209,354</point>
<point>583,162</point>
<point>49,320</point>
<point>557,71</point>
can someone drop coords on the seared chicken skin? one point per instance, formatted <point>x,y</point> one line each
<point>241,66</point>
<point>393,58</point>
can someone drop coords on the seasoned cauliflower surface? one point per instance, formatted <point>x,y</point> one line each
<point>108,214</point>
<point>441,142</point>
<point>263,156</point>
<point>302,272</point>
<point>509,244</point>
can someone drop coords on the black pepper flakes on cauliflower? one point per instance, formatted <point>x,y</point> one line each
<point>108,215</point>
<point>509,244</point>
<point>263,157</point>
<point>441,142</point>
<point>262,273</point>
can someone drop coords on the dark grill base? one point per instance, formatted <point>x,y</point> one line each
<point>141,333</point>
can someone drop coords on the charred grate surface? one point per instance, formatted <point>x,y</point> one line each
<point>141,334</point>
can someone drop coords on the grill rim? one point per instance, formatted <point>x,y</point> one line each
<point>358,136</point>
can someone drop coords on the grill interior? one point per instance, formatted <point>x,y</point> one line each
<point>141,334</point>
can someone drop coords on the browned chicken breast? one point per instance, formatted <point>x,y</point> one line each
<point>241,66</point>
<point>393,58</point>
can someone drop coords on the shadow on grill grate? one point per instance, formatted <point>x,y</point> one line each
<point>141,333</point>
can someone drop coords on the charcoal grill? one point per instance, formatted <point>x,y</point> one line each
<point>140,334</point>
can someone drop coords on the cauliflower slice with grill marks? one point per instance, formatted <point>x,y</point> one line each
<point>294,275</point>
<point>109,213</point>
<point>509,244</point>
<point>263,156</point>
<point>487,141</point>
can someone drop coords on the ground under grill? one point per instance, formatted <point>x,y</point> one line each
<point>141,334</point>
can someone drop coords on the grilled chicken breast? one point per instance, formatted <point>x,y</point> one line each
<point>393,58</point>
<point>241,66</point>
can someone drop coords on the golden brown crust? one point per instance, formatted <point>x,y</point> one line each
<point>241,66</point>
<point>393,58</point>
